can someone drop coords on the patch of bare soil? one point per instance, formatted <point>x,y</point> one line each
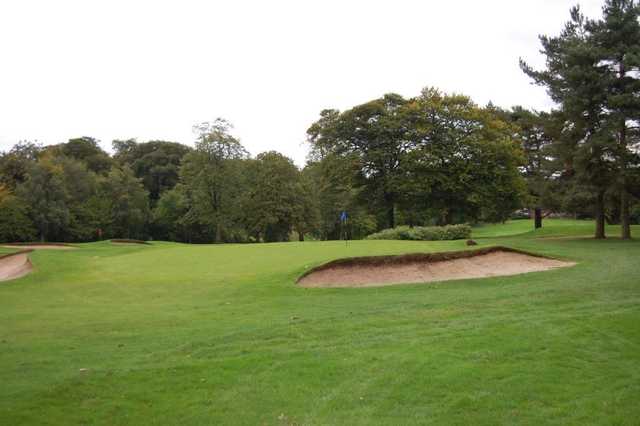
<point>427,268</point>
<point>14,266</point>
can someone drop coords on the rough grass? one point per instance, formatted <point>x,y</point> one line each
<point>179,334</point>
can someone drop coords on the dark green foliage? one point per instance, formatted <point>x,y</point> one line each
<point>273,205</point>
<point>157,163</point>
<point>434,159</point>
<point>168,217</point>
<point>127,204</point>
<point>212,184</point>
<point>15,224</point>
<point>424,233</point>
<point>68,202</point>
<point>14,164</point>
<point>81,186</point>
<point>635,213</point>
<point>466,165</point>
<point>617,39</point>
<point>592,73</point>
<point>225,196</point>
<point>537,132</point>
<point>437,158</point>
<point>333,191</point>
<point>574,80</point>
<point>45,193</point>
<point>307,212</point>
<point>87,150</point>
<point>374,133</point>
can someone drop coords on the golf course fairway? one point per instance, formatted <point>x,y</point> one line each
<point>176,334</point>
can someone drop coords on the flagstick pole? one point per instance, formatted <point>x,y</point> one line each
<point>344,232</point>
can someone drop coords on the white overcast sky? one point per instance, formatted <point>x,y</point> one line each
<point>152,69</point>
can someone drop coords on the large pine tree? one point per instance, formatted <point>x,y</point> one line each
<point>590,69</point>
<point>616,39</point>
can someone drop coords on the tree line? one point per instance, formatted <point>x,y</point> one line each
<point>213,192</point>
<point>433,159</point>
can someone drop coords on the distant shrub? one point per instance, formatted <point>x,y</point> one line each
<point>424,233</point>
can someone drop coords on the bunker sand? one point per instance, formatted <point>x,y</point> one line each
<point>404,270</point>
<point>14,266</point>
<point>39,246</point>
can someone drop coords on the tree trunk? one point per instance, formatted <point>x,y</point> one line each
<point>537,217</point>
<point>218,236</point>
<point>44,231</point>
<point>625,221</point>
<point>448,217</point>
<point>300,236</point>
<point>600,218</point>
<point>391,212</point>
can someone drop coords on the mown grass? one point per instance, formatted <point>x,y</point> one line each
<point>552,227</point>
<point>7,250</point>
<point>180,334</point>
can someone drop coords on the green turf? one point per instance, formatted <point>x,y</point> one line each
<point>551,227</point>
<point>7,250</point>
<point>178,334</point>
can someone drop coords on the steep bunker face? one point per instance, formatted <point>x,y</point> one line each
<point>14,266</point>
<point>428,267</point>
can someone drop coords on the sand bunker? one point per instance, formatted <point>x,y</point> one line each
<point>424,268</point>
<point>14,266</point>
<point>39,246</point>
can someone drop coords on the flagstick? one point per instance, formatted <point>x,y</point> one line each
<point>346,235</point>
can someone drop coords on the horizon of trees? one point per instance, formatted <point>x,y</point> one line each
<point>433,159</point>
<point>217,192</point>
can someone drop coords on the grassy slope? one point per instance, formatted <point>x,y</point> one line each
<point>551,227</point>
<point>6,250</point>
<point>178,334</point>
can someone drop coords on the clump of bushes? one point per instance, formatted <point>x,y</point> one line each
<point>424,233</point>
